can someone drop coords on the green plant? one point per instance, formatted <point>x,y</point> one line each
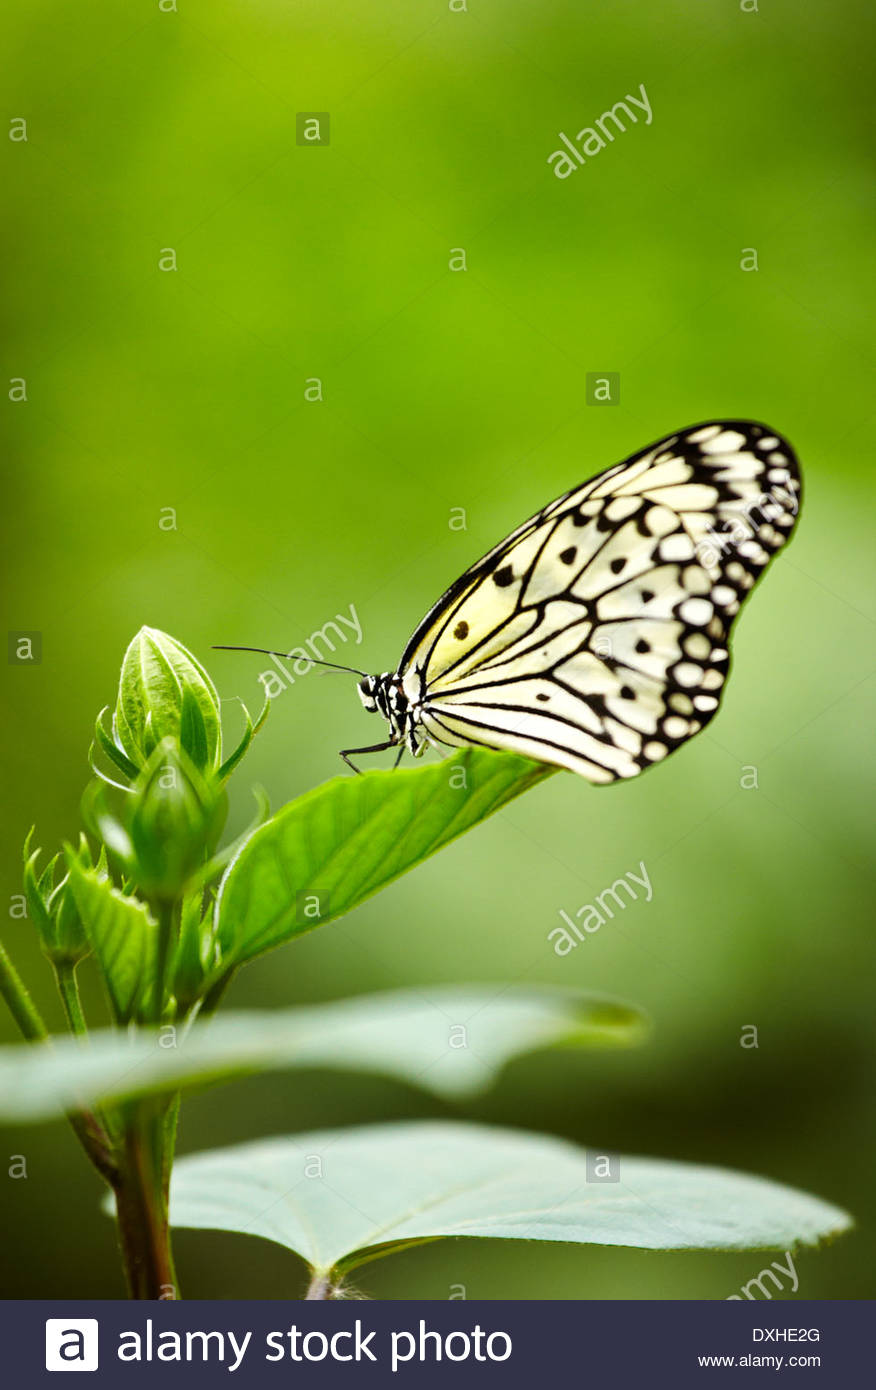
<point>168,915</point>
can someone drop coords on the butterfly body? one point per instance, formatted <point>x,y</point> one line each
<point>400,700</point>
<point>595,636</point>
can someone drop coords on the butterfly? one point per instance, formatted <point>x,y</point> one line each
<point>596,636</point>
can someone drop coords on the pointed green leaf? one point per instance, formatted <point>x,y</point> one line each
<point>36,891</point>
<point>122,934</point>
<point>111,749</point>
<point>193,731</point>
<point>340,843</point>
<point>384,1187</point>
<point>452,1040</point>
<point>249,732</point>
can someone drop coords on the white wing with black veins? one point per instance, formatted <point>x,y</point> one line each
<point>596,635</point>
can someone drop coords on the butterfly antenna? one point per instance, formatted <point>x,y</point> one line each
<point>264,651</point>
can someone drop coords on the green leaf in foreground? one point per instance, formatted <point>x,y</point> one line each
<point>384,1187</point>
<point>330,849</point>
<point>413,1035</point>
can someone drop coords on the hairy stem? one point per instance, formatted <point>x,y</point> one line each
<point>86,1126</point>
<point>90,1127</point>
<point>171,1121</point>
<point>92,1135</point>
<point>214,995</point>
<point>141,1203</point>
<point>166,925</point>
<point>320,1287</point>
<point>68,988</point>
<point>20,1004</point>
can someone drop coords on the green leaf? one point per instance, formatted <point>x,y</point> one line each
<point>414,1035</point>
<point>385,1187</point>
<point>193,731</point>
<point>36,892</point>
<point>332,848</point>
<point>111,749</point>
<point>122,934</point>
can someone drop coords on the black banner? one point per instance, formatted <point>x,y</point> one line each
<point>355,1343</point>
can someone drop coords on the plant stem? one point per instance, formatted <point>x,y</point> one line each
<point>319,1287</point>
<point>86,1126</point>
<point>21,1006</point>
<point>171,1120</point>
<point>166,916</point>
<point>91,1127</point>
<point>215,993</point>
<point>149,1134</point>
<point>90,1132</point>
<point>68,988</point>
<point>141,1203</point>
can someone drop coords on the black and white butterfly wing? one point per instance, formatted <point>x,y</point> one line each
<point>596,635</point>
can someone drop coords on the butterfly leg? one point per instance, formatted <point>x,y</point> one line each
<point>372,748</point>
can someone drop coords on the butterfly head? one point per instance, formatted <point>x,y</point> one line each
<point>386,694</point>
<point>383,694</point>
<point>368,688</point>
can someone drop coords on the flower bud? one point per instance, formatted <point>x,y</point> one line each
<point>164,692</point>
<point>173,822</point>
<point>52,907</point>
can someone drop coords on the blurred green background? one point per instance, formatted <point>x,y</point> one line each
<point>150,389</point>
